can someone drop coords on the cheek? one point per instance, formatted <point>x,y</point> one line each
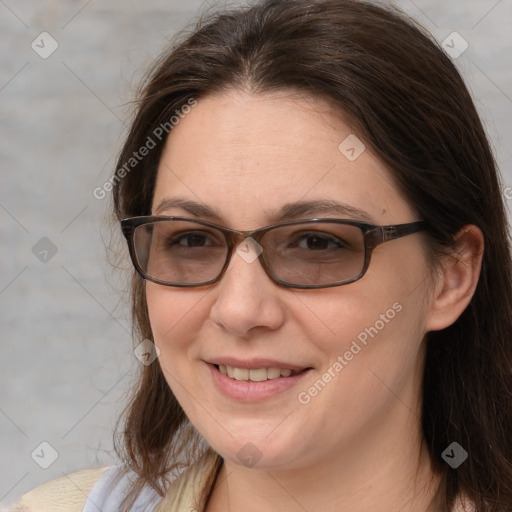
<point>370,336</point>
<point>372,366</point>
<point>377,332</point>
<point>361,313</point>
<point>175,318</point>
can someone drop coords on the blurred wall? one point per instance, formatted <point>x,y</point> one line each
<point>68,70</point>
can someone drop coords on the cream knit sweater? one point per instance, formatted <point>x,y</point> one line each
<point>64,494</point>
<point>70,493</point>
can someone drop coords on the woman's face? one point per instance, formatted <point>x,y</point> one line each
<point>246,157</point>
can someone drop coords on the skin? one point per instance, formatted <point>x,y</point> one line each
<point>356,446</point>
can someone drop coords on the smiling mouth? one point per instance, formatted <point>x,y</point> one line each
<point>256,374</point>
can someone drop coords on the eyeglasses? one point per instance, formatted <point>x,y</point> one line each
<point>312,253</point>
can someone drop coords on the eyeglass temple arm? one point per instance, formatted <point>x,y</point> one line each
<point>399,230</point>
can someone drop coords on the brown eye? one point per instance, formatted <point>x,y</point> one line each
<point>190,240</point>
<point>317,242</point>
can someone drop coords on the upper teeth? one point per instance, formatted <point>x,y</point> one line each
<point>254,374</point>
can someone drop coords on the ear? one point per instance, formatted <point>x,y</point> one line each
<point>459,274</point>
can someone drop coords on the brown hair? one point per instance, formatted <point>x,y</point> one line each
<point>406,100</point>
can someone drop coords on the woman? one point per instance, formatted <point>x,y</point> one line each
<point>322,268</point>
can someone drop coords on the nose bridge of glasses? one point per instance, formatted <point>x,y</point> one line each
<point>249,252</point>
<point>235,237</point>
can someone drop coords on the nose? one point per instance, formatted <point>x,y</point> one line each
<point>247,299</point>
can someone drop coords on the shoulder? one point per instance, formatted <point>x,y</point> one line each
<point>105,489</point>
<point>112,489</point>
<point>65,494</point>
<point>87,491</point>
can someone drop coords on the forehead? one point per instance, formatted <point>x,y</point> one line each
<point>248,155</point>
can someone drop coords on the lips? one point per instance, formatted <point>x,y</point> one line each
<point>256,370</point>
<point>251,381</point>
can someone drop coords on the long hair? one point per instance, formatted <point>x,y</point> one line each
<point>406,100</point>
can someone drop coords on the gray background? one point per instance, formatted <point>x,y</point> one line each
<point>66,355</point>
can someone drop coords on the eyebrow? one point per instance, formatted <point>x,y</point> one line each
<point>288,211</point>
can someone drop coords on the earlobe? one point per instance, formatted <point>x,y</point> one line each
<point>459,275</point>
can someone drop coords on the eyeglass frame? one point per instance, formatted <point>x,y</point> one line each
<point>373,235</point>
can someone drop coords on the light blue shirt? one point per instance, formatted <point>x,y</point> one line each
<point>107,495</point>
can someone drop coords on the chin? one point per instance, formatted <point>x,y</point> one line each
<point>252,449</point>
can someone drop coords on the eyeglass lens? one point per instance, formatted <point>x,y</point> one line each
<point>185,252</point>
